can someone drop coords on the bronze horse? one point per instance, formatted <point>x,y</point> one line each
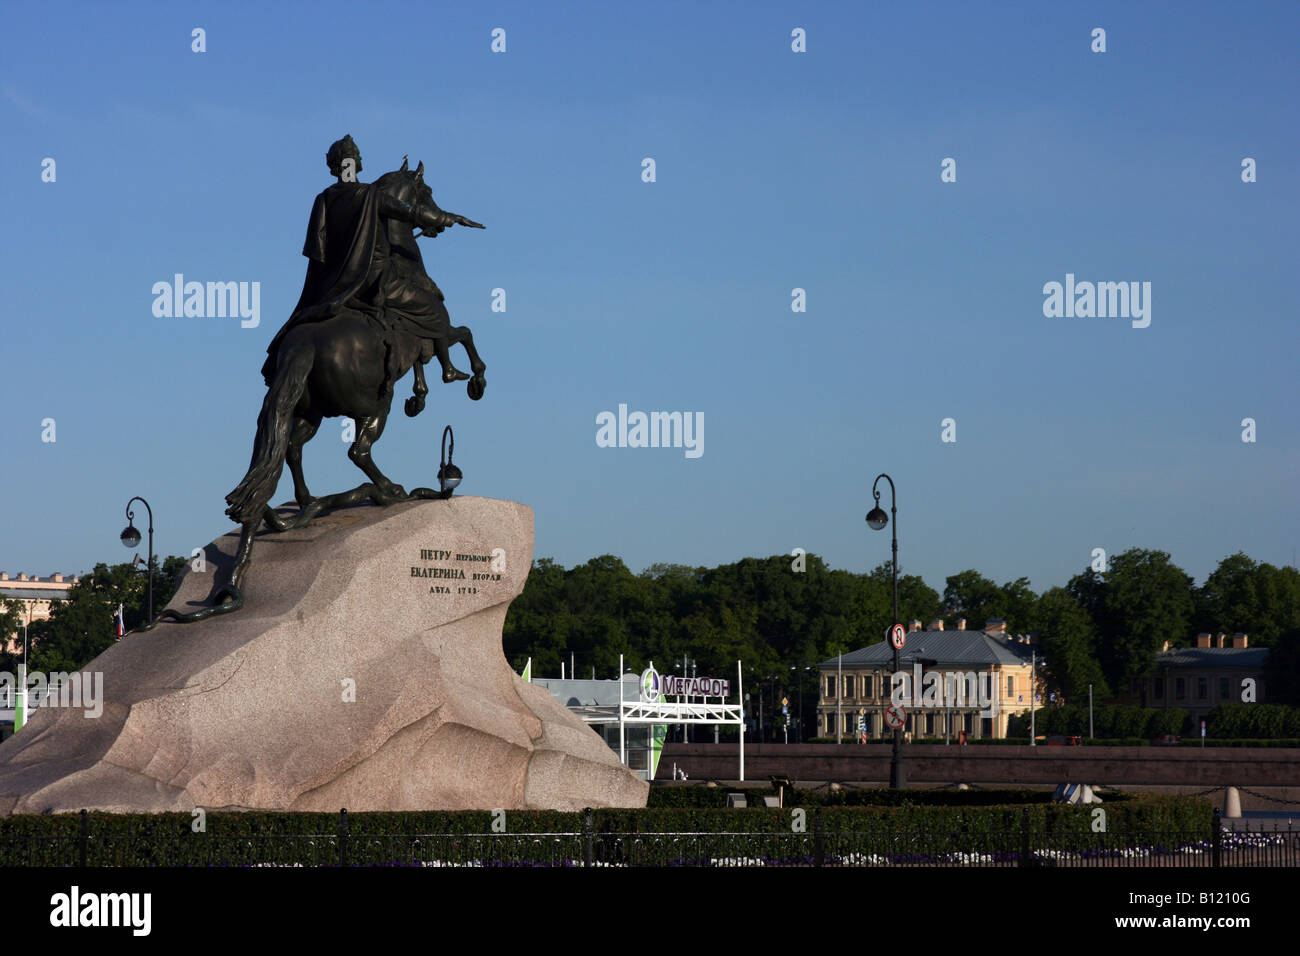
<point>341,366</point>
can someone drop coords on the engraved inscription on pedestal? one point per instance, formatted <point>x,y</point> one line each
<point>457,572</point>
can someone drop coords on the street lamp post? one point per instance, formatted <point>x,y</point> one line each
<point>876,520</point>
<point>131,538</point>
<point>449,476</point>
<point>801,675</point>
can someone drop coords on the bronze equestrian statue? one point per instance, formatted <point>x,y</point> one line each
<point>368,313</point>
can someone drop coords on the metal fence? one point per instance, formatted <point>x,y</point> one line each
<point>815,846</point>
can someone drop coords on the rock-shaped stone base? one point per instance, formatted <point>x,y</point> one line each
<point>365,671</point>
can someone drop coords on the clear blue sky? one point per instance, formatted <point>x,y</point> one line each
<point>775,170</point>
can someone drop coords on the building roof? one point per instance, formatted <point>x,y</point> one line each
<point>969,648</point>
<point>31,594</point>
<point>591,693</point>
<point>1252,658</point>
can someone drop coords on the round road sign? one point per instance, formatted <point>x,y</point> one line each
<point>895,716</point>
<point>897,636</point>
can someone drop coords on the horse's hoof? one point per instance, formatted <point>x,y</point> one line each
<point>476,386</point>
<point>391,494</point>
<point>414,406</point>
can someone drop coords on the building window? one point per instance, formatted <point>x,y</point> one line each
<point>1158,688</point>
<point>848,686</point>
<point>1011,686</point>
<point>929,725</point>
<point>1180,688</point>
<point>830,725</point>
<point>1202,688</point>
<point>1223,688</point>
<point>830,687</point>
<point>866,686</point>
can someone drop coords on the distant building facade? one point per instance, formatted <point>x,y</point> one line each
<point>987,665</point>
<point>1198,679</point>
<point>36,595</point>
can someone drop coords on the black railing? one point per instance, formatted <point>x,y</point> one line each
<point>813,846</point>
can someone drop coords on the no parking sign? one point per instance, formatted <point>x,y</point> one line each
<point>897,636</point>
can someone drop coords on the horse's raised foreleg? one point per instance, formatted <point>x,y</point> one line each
<point>477,384</point>
<point>462,334</point>
<point>415,404</point>
<point>368,431</point>
<point>303,430</point>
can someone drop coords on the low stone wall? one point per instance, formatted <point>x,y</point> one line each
<point>936,765</point>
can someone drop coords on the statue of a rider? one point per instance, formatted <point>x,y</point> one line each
<point>353,264</point>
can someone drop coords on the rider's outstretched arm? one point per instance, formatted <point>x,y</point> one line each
<point>428,217</point>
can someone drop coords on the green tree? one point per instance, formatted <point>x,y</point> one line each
<point>12,615</point>
<point>82,627</point>
<point>1141,601</point>
<point>917,601</point>
<point>1282,671</point>
<point>971,595</point>
<point>1069,644</point>
<point>1252,597</point>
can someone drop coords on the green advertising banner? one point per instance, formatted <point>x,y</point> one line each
<point>658,734</point>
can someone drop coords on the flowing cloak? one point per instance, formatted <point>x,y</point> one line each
<point>351,265</point>
<point>340,249</point>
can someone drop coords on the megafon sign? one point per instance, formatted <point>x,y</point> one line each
<point>655,688</point>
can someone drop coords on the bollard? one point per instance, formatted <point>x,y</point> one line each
<point>588,838</point>
<point>819,839</point>
<point>343,837</point>
<point>1232,804</point>
<point>1026,858</point>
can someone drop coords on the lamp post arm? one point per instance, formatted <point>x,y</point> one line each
<point>130,520</point>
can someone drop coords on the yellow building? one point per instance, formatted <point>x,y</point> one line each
<point>964,680</point>
<point>35,594</point>
<point>1218,670</point>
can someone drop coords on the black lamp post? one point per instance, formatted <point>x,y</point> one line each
<point>448,474</point>
<point>802,675</point>
<point>876,520</point>
<point>131,538</point>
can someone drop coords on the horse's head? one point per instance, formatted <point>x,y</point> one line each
<point>407,185</point>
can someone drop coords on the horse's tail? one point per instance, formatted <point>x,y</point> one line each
<point>274,424</point>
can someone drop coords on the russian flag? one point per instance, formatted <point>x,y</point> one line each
<point>121,625</point>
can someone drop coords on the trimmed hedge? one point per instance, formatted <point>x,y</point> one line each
<point>699,797</point>
<point>1108,722</point>
<point>888,809</point>
<point>1253,720</point>
<point>914,824</point>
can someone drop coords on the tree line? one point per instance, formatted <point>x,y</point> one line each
<point>782,616</point>
<point>1101,628</point>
